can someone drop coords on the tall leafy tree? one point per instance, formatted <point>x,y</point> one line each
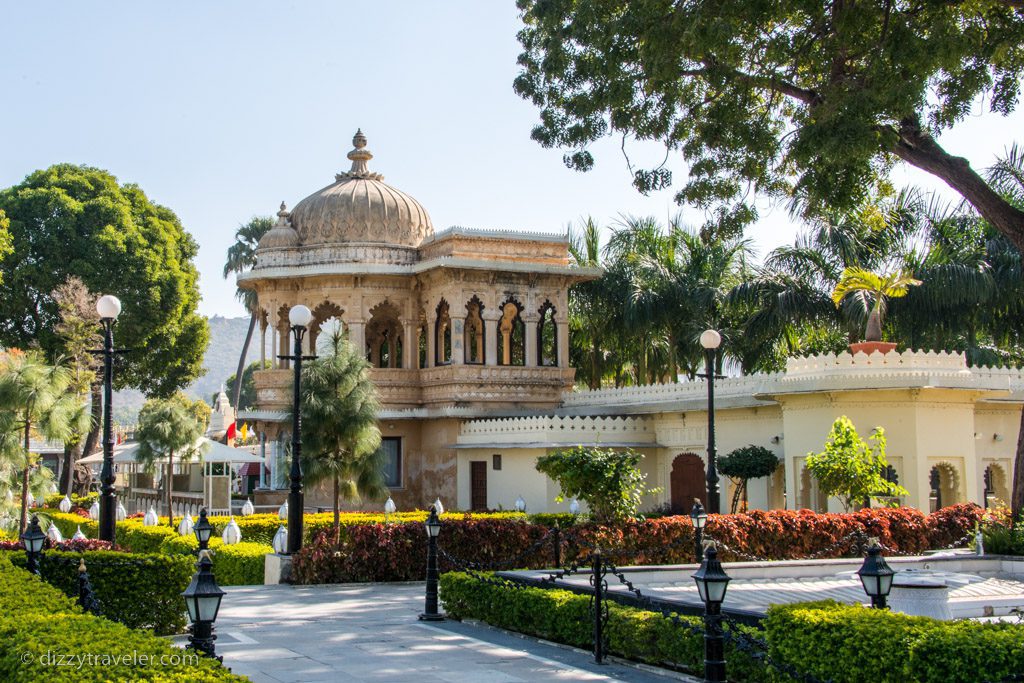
<point>242,257</point>
<point>798,100</point>
<point>34,399</point>
<point>170,428</point>
<point>5,238</point>
<point>340,437</point>
<point>79,221</point>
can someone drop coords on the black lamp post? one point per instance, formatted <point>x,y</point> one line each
<point>108,307</point>
<point>700,520</point>
<point>433,526</point>
<point>710,340</point>
<point>711,584</point>
<point>33,538</point>
<point>300,317</point>
<point>876,575</point>
<point>202,599</point>
<point>203,530</point>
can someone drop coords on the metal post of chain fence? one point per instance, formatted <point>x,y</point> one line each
<point>597,580</point>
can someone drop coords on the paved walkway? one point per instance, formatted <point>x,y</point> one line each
<point>369,632</point>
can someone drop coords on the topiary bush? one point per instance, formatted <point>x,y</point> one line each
<point>141,591</point>
<point>241,564</point>
<point>851,644</point>
<point>40,626</point>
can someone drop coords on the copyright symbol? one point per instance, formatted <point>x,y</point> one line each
<point>26,657</point>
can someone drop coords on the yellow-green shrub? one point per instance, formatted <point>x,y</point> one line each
<point>40,624</point>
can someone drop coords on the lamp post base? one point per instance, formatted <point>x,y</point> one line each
<point>432,617</point>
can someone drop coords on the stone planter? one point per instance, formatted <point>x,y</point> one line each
<point>871,347</point>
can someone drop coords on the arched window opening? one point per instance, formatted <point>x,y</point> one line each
<point>326,322</point>
<point>547,336</point>
<point>511,335</point>
<point>473,342</point>
<point>443,335</point>
<point>383,337</point>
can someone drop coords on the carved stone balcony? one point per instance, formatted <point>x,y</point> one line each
<point>444,386</point>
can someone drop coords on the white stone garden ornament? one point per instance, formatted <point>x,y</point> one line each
<point>186,525</point>
<point>79,536</point>
<point>150,519</point>
<point>65,505</point>
<point>232,534</point>
<point>281,540</point>
<point>439,507</point>
<point>121,512</point>
<point>247,508</point>
<point>282,512</point>
<point>53,533</point>
<point>574,507</point>
<point>94,511</point>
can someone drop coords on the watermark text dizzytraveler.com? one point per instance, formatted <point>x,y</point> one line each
<point>128,658</point>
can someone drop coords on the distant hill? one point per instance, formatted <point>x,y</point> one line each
<point>221,360</point>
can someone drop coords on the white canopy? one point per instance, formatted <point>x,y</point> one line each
<point>213,452</point>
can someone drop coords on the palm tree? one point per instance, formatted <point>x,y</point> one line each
<point>35,397</point>
<point>169,427</point>
<point>341,441</point>
<point>586,319</point>
<point>872,291</point>
<point>242,257</point>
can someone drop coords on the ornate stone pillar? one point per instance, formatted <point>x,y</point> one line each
<point>431,332</point>
<point>357,335</point>
<point>263,349</point>
<point>563,343</point>
<point>410,347</point>
<point>458,349</point>
<point>491,318</point>
<point>530,324</point>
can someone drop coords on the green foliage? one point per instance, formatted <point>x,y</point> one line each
<point>564,617</point>
<point>340,436</point>
<point>37,620</point>
<point>35,397</point>
<point>6,243</point>
<point>241,564</point>
<point>170,428</point>
<point>745,463</point>
<point>804,101</point>
<point>609,481</point>
<point>76,220</point>
<point>141,591</point>
<point>894,647</point>
<point>247,393</point>
<point>850,468</point>
<point>53,500</point>
<point>875,290</point>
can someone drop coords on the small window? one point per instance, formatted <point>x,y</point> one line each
<point>392,447</point>
<point>496,461</point>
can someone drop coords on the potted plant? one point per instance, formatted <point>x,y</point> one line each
<point>874,290</point>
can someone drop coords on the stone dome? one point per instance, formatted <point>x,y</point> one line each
<point>282,235</point>
<point>360,208</point>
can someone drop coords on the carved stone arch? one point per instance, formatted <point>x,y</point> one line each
<point>944,482</point>
<point>442,333</point>
<point>474,332</point>
<point>547,335</point>
<point>511,332</point>
<point>996,485</point>
<point>384,336</point>
<point>323,312</point>
<point>422,330</point>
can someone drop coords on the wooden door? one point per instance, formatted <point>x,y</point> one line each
<point>478,485</point>
<point>688,482</point>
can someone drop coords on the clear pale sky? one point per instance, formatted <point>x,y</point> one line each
<point>222,110</point>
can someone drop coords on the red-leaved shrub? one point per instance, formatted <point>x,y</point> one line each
<point>397,552</point>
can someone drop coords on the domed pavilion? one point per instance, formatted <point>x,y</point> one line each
<point>457,323</point>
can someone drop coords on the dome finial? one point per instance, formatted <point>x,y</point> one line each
<point>283,213</point>
<point>359,156</point>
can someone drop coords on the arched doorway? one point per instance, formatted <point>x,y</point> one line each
<point>687,482</point>
<point>944,481</point>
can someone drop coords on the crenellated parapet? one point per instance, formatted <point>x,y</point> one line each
<point>550,430</point>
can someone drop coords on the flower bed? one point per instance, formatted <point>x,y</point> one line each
<point>39,626</point>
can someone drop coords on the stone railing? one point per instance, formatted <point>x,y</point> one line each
<point>662,393</point>
<point>931,362</point>
<point>558,429</point>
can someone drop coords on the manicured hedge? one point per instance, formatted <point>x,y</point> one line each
<point>41,625</point>
<point>141,591</point>
<point>564,617</point>
<point>85,502</point>
<point>851,644</point>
